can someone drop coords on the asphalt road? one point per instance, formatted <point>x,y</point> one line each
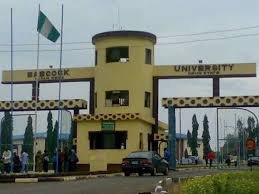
<point>109,185</point>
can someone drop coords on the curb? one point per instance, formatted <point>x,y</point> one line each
<point>55,179</point>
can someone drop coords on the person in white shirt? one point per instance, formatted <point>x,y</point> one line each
<point>6,157</point>
<point>25,161</point>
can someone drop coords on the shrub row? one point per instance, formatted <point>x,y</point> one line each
<point>241,182</point>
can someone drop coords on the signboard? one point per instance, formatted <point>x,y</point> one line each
<point>48,75</point>
<point>108,125</point>
<point>206,70</point>
<point>250,144</point>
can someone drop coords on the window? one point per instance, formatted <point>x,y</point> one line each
<point>107,139</point>
<point>147,99</point>
<point>117,54</point>
<point>95,100</point>
<point>117,98</point>
<point>96,56</point>
<point>148,56</point>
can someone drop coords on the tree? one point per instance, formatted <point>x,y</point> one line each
<point>48,144</point>
<point>54,137</point>
<point>6,133</point>
<point>28,141</point>
<point>251,127</point>
<point>194,144</point>
<point>206,136</point>
<point>189,138</point>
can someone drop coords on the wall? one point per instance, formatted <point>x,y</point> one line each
<point>98,159</point>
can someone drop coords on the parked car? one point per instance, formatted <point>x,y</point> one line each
<point>253,161</point>
<point>144,162</point>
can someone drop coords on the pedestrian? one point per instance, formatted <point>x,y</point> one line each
<point>166,154</point>
<point>73,159</point>
<point>206,159</point>
<point>16,163</point>
<point>60,160</point>
<point>39,161</point>
<point>54,161</point>
<point>7,160</point>
<point>45,161</point>
<point>228,161</point>
<point>25,161</point>
<point>210,157</point>
<point>66,163</point>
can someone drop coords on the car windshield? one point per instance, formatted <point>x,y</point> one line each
<point>140,155</point>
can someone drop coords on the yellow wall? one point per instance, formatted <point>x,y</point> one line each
<point>98,159</point>
<point>134,75</point>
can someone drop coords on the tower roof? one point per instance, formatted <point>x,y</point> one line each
<point>124,33</point>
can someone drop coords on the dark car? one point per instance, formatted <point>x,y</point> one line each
<point>253,161</point>
<point>144,162</point>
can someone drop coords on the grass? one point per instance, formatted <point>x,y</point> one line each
<point>238,182</point>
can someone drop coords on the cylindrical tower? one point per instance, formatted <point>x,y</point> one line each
<point>123,73</point>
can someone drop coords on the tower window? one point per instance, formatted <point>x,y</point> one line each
<point>95,100</point>
<point>96,57</point>
<point>117,98</point>
<point>117,54</point>
<point>147,99</point>
<point>148,56</point>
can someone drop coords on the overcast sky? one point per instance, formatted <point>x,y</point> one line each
<point>85,18</point>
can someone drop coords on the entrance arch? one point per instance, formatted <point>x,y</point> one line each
<point>200,102</point>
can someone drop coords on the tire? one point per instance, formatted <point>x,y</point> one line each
<point>140,173</point>
<point>153,173</point>
<point>126,173</point>
<point>166,171</point>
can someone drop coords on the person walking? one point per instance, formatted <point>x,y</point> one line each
<point>166,154</point>
<point>25,161</point>
<point>45,161</point>
<point>211,158</point>
<point>60,160</point>
<point>16,163</point>
<point>7,160</point>
<point>39,161</point>
<point>206,159</point>
<point>66,162</point>
<point>73,159</point>
<point>228,161</point>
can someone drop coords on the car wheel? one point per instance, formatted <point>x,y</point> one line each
<point>126,173</point>
<point>166,171</point>
<point>140,173</point>
<point>153,173</point>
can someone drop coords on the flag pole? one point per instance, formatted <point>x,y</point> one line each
<point>59,89</point>
<point>36,99</point>
<point>11,90</point>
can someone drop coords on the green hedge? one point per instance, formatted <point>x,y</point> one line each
<point>241,182</point>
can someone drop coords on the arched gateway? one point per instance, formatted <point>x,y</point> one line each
<point>202,102</point>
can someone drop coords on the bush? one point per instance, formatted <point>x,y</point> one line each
<point>243,182</point>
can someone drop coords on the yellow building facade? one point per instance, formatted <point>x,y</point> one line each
<point>122,121</point>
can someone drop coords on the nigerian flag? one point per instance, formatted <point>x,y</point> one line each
<point>46,28</point>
